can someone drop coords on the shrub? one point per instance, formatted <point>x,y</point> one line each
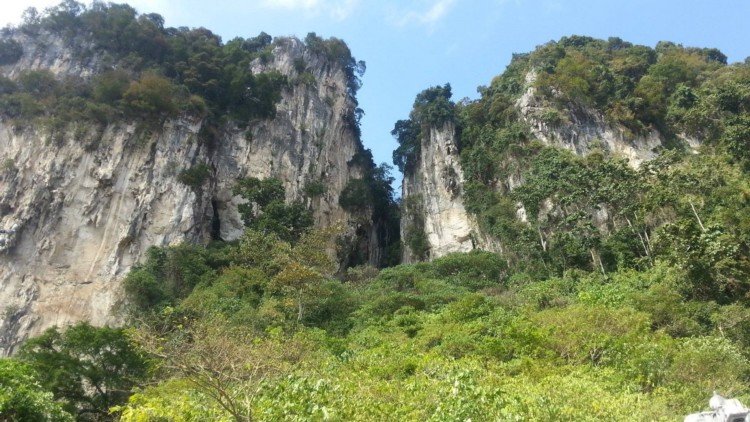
<point>591,334</point>
<point>195,176</point>
<point>414,233</point>
<point>315,188</point>
<point>7,86</point>
<point>151,96</point>
<point>20,105</point>
<point>169,274</point>
<point>39,83</point>
<point>267,211</point>
<point>8,166</point>
<point>704,364</point>
<point>10,51</point>
<point>474,270</point>
<point>356,195</point>
<point>22,397</point>
<point>110,87</point>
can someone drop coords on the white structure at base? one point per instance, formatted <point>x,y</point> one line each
<point>722,410</point>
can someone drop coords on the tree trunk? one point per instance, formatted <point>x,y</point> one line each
<point>700,223</point>
<point>541,238</point>
<point>640,237</point>
<point>596,259</point>
<point>299,306</point>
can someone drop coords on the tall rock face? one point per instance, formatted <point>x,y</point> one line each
<point>78,211</point>
<point>582,129</point>
<point>434,221</point>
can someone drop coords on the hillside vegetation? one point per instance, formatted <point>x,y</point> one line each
<point>148,72</point>
<point>637,316</point>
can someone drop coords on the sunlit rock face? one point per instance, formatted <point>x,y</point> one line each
<point>77,212</point>
<point>432,193</point>
<point>432,189</point>
<point>583,130</point>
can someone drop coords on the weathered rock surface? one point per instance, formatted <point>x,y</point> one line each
<point>583,130</point>
<point>432,192</point>
<point>432,189</point>
<point>77,215</point>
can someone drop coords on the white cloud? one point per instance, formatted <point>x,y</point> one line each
<point>430,15</point>
<point>343,9</point>
<point>336,9</point>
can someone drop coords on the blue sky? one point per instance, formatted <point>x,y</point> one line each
<point>411,45</point>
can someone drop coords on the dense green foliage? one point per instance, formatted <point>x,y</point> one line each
<point>87,369</point>
<point>22,397</point>
<point>10,51</point>
<point>461,337</point>
<point>621,295</point>
<point>596,212</point>
<point>432,108</point>
<point>262,331</point>
<point>150,72</point>
<point>371,198</point>
<point>414,235</point>
<point>336,51</point>
<point>195,176</point>
<point>266,211</point>
<point>168,275</point>
<point>631,84</point>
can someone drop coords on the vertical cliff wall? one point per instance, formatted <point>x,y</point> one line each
<point>432,205</point>
<point>77,212</point>
<point>582,129</point>
<point>435,221</point>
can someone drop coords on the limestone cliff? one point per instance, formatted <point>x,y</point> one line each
<point>77,213</point>
<point>583,129</point>
<point>435,219</point>
<point>432,203</point>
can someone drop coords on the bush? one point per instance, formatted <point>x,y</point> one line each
<point>22,397</point>
<point>195,176</point>
<point>169,274</point>
<point>8,166</point>
<point>20,105</point>
<point>356,195</point>
<point>10,51</point>
<point>39,83</point>
<point>415,237</point>
<point>89,369</point>
<point>151,96</point>
<point>7,86</point>
<point>474,270</point>
<point>705,364</point>
<point>315,188</point>
<point>110,87</point>
<point>590,334</point>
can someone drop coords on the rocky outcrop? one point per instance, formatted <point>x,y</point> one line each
<point>433,207</point>
<point>582,130</point>
<point>432,204</point>
<point>76,215</point>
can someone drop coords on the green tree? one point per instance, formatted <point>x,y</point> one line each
<point>309,265</point>
<point>265,209</point>
<point>167,275</point>
<point>152,95</point>
<point>89,369</point>
<point>10,51</point>
<point>22,397</point>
